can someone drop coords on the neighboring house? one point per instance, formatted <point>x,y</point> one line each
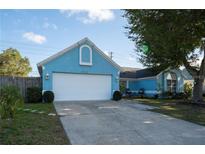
<point>152,82</point>
<point>80,72</point>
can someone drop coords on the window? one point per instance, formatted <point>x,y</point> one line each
<point>171,82</point>
<point>85,55</point>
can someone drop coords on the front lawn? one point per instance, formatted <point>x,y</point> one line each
<point>33,128</point>
<point>177,108</point>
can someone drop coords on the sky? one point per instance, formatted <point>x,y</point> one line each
<point>38,34</point>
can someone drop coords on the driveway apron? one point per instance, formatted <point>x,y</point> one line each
<point>124,122</point>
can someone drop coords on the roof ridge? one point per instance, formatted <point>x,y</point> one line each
<point>75,45</point>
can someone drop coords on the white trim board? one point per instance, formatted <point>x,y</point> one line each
<point>134,79</point>
<point>80,55</point>
<point>88,73</point>
<point>76,45</point>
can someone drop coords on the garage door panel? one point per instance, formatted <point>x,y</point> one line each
<point>81,87</point>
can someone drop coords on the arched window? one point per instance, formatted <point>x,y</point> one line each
<point>172,82</point>
<point>85,55</point>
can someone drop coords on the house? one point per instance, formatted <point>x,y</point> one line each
<point>152,82</point>
<point>80,72</point>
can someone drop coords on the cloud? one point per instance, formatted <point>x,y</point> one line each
<point>90,16</point>
<point>50,25</point>
<point>36,38</point>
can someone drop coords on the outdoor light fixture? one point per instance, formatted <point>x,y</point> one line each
<point>47,76</point>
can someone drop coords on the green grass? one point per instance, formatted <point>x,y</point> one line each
<point>33,128</point>
<point>177,109</point>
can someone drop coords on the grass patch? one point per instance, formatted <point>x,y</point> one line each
<point>177,108</point>
<point>33,128</point>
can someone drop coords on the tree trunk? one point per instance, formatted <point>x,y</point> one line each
<point>198,75</point>
<point>198,91</point>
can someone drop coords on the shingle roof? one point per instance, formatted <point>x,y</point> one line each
<point>142,73</point>
<point>128,69</point>
<point>186,74</point>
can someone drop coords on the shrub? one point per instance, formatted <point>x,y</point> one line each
<point>10,100</point>
<point>48,96</point>
<point>117,96</point>
<point>122,87</point>
<point>34,95</point>
<point>188,89</point>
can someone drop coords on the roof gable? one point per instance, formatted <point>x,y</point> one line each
<point>186,74</point>
<point>83,41</point>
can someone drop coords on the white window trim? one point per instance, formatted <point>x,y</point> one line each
<point>85,63</point>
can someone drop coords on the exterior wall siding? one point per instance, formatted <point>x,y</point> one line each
<point>69,63</point>
<point>149,85</point>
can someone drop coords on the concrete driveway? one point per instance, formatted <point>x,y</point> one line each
<point>109,122</point>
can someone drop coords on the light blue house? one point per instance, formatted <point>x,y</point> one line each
<point>80,72</point>
<point>152,82</point>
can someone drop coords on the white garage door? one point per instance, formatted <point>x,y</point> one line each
<point>67,87</point>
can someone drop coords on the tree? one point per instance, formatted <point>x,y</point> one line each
<point>174,38</point>
<point>12,64</point>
